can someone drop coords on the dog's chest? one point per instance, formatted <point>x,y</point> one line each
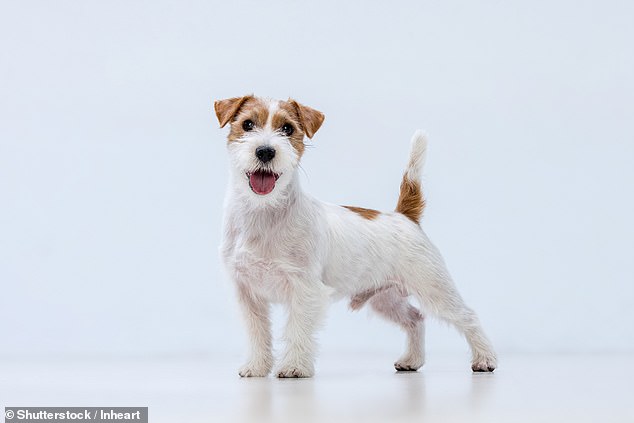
<point>268,265</point>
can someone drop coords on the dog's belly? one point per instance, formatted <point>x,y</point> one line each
<point>348,279</point>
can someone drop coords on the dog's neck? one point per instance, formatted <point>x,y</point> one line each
<point>257,212</point>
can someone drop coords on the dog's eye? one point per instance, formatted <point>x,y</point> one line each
<point>287,129</point>
<point>248,125</point>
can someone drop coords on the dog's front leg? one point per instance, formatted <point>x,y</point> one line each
<point>306,308</point>
<point>256,313</point>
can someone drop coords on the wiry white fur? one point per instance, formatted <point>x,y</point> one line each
<point>417,156</point>
<point>287,247</point>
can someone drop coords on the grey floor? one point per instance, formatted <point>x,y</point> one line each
<point>536,388</point>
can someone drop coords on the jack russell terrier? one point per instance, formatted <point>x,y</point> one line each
<point>280,245</point>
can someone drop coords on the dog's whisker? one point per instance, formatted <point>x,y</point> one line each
<point>303,170</point>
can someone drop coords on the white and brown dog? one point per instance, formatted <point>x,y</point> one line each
<point>280,245</point>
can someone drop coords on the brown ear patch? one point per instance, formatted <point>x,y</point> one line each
<point>228,108</point>
<point>364,213</point>
<point>309,118</point>
<point>410,200</point>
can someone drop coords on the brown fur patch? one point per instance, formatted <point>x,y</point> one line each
<point>410,200</point>
<point>364,213</point>
<point>288,114</point>
<point>305,120</point>
<point>252,109</point>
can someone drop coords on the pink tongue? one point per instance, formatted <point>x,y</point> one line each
<point>262,182</point>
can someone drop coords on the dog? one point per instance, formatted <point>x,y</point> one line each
<point>280,245</point>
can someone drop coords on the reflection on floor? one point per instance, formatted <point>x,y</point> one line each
<point>536,388</point>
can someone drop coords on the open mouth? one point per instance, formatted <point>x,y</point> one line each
<point>262,182</point>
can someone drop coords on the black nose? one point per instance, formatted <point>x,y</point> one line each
<point>265,153</point>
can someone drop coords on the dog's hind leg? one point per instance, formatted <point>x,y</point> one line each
<point>393,305</point>
<point>441,298</point>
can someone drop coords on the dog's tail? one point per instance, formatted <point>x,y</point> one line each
<point>411,202</point>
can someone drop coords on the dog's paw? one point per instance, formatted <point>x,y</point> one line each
<point>409,364</point>
<point>295,372</point>
<point>254,370</point>
<point>486,363</point>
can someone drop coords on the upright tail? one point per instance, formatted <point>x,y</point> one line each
<point>410,201</point>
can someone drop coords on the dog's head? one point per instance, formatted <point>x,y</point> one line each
<point>266,140</point>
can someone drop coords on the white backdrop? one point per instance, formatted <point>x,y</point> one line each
<point>112,166</point>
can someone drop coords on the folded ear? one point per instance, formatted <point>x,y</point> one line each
<point>228,108</point>
<point>310,119</point>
